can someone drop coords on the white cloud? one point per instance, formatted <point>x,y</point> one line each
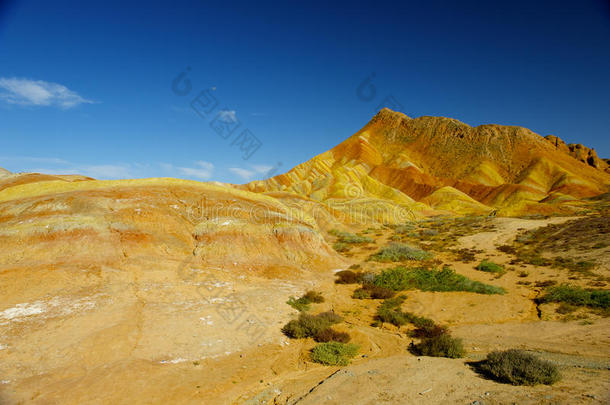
<point>243,173</point>
<point>203,171</point>
<point>100,172</point>
<point>32,159</point>
<point>228,116</point>
<point>262,168</point>
<point>108,171</point>
<point>38,93</point>
<point>247,174</point>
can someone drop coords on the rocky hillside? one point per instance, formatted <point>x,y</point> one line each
<point>444,164</point>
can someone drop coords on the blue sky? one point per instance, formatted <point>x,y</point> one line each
<point>87,86</point>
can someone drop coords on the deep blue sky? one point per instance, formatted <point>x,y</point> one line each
<point>289,72</point>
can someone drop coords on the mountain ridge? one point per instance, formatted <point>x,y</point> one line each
<point>509,168</point>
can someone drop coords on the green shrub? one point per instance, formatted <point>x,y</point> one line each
<point>300,304</point>
<point>406,228</point>
<point>583,266</point>
<point>346,237</point>
<point>354,277</point>
<point>307,325</point>
<point>490,267</point>
<point>304,303</point>
<point>334,353</point>
<point>442,345</point>
<point>331,335</point>
<point>507,249</point>
<point>347,277</point>
<point>389,311</point>
<point>429,331</point>
<point>519,368</point>
<point>373,291</point>
<point>341,247</point>
<point>538,261</point>
<point>361,294</point>
<point>465,255</point>
<point>329,316</point>
<point>401,278</point>
<point>578,296</point>
<point>313,296</point>
<point>429,232</point>
<point>565,308</point>
<point>397,252</point>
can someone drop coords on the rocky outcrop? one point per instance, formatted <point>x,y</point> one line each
<point>579,152</point>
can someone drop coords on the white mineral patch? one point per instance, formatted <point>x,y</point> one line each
<point>56,305</point>
<point>207,319</point>
<point>23,310</point>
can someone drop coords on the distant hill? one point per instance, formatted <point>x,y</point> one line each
<point>443,164</point>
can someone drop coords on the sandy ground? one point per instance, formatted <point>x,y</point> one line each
<point>148,337</point>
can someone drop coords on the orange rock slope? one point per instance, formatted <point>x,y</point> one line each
<point>443,164</point>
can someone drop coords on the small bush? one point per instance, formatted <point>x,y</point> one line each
<point>341,247</point>
<point>403,229</point>
<point>354,267</point>
<point>329,316</point>
<point>519,368</point>
<point>429,331</point>
<point>578,296</point>
<point>389,311</point>
<point>465,255</point>
<point>490,267</point>
<point>401,278</point>
<point>374,292</point>
<point>507,249</point>
<point>442,345</point>
<point>346,237</point>
<point>538,261</point>
<point>565,308</point>
<point>354,277</point>
<point>300,304</point>
<point>429,232</point>
<point>310,325</point>
<point>331,335</point>
<point>333,353</point>
<point>304,303</point>
<point>347,277</point>
<point>397,252</point>
<point>361,294</point>
<point>313,296</point>
<point>545,283</point>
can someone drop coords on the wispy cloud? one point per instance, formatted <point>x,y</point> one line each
<point>29,92</point>
<point>203,170</point>
<point>247,174</point>
<point>200,170</point>
<point>100,172</point>
<point>228,116</point>
<point>243,173</point>
<point>32,159</point>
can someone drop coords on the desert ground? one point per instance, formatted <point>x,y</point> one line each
<point>171,340</point>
